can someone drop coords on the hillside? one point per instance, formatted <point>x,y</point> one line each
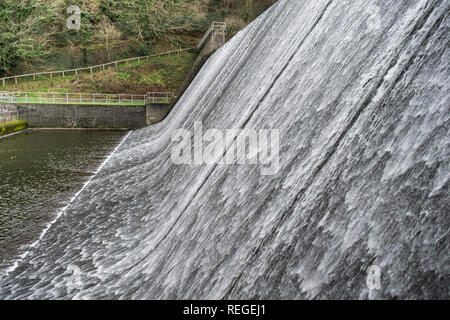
<point>34,35</point>
<point>158,74</point>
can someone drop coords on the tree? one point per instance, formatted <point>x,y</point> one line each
<point>23,32</point>
<point>108,35</point>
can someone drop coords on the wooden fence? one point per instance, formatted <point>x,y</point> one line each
<point>91,69</point>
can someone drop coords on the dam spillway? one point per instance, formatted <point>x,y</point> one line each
<point>359,91</point>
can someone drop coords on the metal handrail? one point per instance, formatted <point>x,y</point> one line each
<point>84,98</point>
<point>91,68</point>
<point>7,116</point>
<point>215,26</point>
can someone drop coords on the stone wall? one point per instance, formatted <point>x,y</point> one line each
<point>156,112</point>
<point>4,107</point>
<point>82,116</point>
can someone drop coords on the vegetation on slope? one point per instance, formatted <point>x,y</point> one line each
<point>34,38</point>
<point>34,35</point>
<point>157,74</point>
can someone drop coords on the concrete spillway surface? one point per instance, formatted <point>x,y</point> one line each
<point>360,92</point>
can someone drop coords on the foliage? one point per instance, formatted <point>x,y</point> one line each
<point>25,30</point>
<point>35,30</point>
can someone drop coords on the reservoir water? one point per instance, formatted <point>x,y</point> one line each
<point>40,172</point>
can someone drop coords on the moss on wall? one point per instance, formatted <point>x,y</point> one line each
<point>12,126</point>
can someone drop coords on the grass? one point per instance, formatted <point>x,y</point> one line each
<point>158,74</point>
<point>12,126</point>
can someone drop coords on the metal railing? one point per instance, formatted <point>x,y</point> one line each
<point>91,69</point>
<point>158,97</point>
<point>7,116</point>
<point>84,98</point>
<point>219,27</point>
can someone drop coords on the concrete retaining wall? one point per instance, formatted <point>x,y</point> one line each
<point>82,116</point>
<point>4,107</point>
<point>214,42</point>
<point>157,112</point>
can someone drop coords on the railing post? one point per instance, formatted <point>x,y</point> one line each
<point>67,98</point>
<point>15,80</point>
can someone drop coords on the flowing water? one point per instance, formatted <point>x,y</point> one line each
<point>360,92</point>
<point>39,173</point>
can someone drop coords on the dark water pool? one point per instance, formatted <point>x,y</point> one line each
<point>40,171</point>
